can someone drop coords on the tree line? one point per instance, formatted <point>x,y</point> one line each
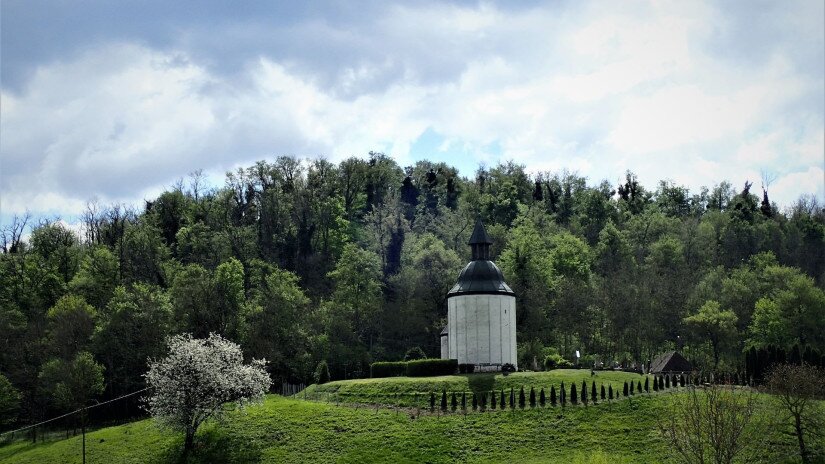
<point>303,261</point>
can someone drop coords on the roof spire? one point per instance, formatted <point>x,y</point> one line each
<point>479,234</point>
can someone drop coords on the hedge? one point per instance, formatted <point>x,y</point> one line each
<point>428,367</point>
<point>388,369</point>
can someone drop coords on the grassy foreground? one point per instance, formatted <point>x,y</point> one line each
<point>287,430</point>
<point>415,391</point>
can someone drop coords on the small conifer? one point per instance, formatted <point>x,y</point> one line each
<point>542,399</point>
<point>625,389</point>
<point>610,392</point>
<point>475,401</point>
<point>574,396</point>
<point>631,387</point>
<point>532,397</point>
<point>593,394</point>
<point>584,392</point>
<point>432,401</point>
<point>562,395</point>
<point>512,399</point>
<point>521,398</point>
<point>453,402</point>
<point>493,399</point>
<point>667,381</point>
<point>647,385</point>
<point>603,395</point>
<point>484,401</point>
<point>682,380</point>
<point>501,402</point>
<point>553,395</point>
<point>639,387</point>
<point>444,400</point>
<point>464,401</point>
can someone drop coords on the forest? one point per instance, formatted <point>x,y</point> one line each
<point>303,261</point>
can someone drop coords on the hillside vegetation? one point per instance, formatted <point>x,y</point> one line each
<point>413,391</point>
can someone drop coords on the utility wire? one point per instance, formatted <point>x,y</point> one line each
<point>74,412</point>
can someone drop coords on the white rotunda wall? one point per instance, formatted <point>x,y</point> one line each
<point>482,329</point>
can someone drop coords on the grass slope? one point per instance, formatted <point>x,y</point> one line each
<point>287,430</point>
<point>402,391</point>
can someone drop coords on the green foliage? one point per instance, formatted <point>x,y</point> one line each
<point>72,383</point>
<point>415,353</point>
<point>430,367</point>
<point>388,369</point>
<point>9,401</point>
<point>322,372</point>
<point>71,325</point>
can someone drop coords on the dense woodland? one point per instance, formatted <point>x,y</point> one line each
<point>304,261</point>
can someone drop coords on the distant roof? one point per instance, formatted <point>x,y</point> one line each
<point>480,276</point>
<point>670,361</point>
<point>479,235</point>
<point>445,330</point>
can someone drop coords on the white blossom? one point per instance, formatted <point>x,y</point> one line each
<point>198,377</point>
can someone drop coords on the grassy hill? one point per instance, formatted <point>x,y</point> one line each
<point>292,430</point>
<point>415,391</point>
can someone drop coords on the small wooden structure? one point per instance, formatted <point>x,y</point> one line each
<point>670,362</point>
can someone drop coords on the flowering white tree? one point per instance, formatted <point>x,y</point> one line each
<point>193,382</point>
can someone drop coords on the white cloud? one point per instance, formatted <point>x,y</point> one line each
<point>594,87</point>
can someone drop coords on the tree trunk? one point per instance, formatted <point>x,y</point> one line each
<point>798,427</point>
<point>188,444</point>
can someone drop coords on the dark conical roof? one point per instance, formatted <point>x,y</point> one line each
<point>479,235</point>
<point>480,276</point>
<point>671,361</point>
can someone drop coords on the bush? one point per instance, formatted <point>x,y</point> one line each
<point>521,398</point>
<point>562,394</point>
<point>639,387</point>
<point>444,400</point>
<point>466,368</point>
<point>501,400</point>
<point>507,368</point>
<point>603,395</point>
<point>610,392</point>
<point>625,389</point>
<point>553,395</point>
<point>388,369</point>
<point>321,373</point>
<point>483,401</point>
<point>631,387</point>
<point>463,401</point>
<point>432,401</point>
<point>512,399</point>
<point>574,397</point>
<point>593,396</point>
<point>475,401</point>
<point>453,402</point>
<point>584,392</point>
<point>414,353</point>
<point>667,381</point>
<point>542,398</point>
<point>556,361</point>
<point>430,367</point>
<point>647,385</point>
<point>493,399</point>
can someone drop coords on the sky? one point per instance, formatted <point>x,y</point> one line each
<point>114,101</point>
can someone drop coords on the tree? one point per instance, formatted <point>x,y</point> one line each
<point>9,401</point>
<point>797,389</point>
<point>192,383</point>
<point>553,395</point>
<point>71,325</point>
<point>715,425</point>
<point>714,323</point>
<point>574,397</point>
<point>415,353</point>
<point>71,384</point>
<point>322,373</point>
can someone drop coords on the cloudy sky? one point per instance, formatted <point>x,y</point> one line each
<point>116,100</point>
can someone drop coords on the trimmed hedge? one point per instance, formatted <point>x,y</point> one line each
<point>388,369</point>
<point>429,367</point>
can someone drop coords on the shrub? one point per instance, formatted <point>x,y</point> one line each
<point>532,397</point>
<point>562,394</point>
<point>682,380</point>
<point>466,368</point>
<point>521,398</point>
<point>610,392</point>
<point>414,353</point>
<point>639,387</point>
<point>584,392</point>
<point>556,361</point>
<point>432,401</point>
<point>593,395</point>
<point>574,397</point>
<point>553,395</point>
<point>631,387</point>
<point>493,399</point>
<point>661,383</point>
<point>321,373</point>
<point>603,395</point>
<point>507,368</point>
<point>444,400</point>
<point>542,398</point>
<point>667,381</point>
<point>388,369</point>
<point>430,367</point>
<point>484,401</point>
<point>475,401</point>
<point>655,384</point>
<point>647,385</point>
<point>512,399</point>
<point>501,401</point>
<point>625,389</point>
<point>453,402</point>
<point>463,401</point>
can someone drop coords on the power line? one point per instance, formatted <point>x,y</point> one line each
<point>74,412</point>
